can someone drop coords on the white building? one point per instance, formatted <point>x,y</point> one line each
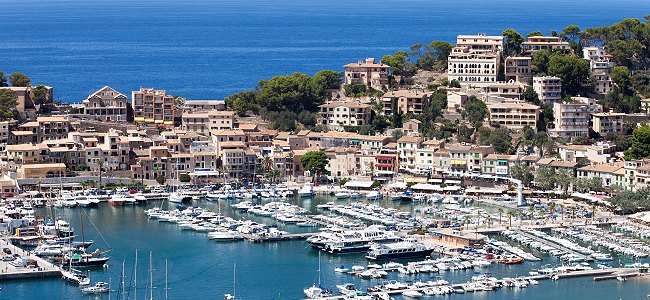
<point>337,114</point>
<point>601,65</point>
<point>572,118</point>
<point>514,115</point>
<point>368,73</point>
<point>473,68</point>
<point>548,89</point>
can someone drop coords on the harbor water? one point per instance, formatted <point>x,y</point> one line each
<point>199,268</point>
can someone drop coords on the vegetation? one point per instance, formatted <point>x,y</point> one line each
<point>499,138</point>
<point>314,162</point>
<point>8,102</point>
<point>474,111</point>
<point>640,147</point>
<point>512,42</point>
<point>629,202</point>
<point>19,79</point>
<point>39,94</point>
<point>184,177</point>
<point>523,173</point>
<point>3,79</point>
<point>161,179</point>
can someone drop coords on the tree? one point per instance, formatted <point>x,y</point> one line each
<point>475,110</point>
<point>241,102</point>
<point>314,162</point>
<point>184,177</point>
<point>512,42</point>
<point>295,93</point>
<point>8,102</point>
<point>621,76</point>
<point>545,178</point>
<point>501,140</point>
<point>454,83</point>
<point>564,179</point>
<point>19,79</point>
<point>100,167</point>
<point>39,94</point>
<point>530,95</point>
<point>398,62</point>
<point>500,211</point>
<point>355,90</point>
<point>161,179</point>
<point>328,79</point>
<point>380,123</point>
<point>510,214</point>
<point>523,173</point>
<point>3,79</point>
<point>534,33</point>
<point>640,144</point>
<point>540,62</point>
<point>573,71</point>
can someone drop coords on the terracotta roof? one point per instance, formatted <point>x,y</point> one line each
<point>406,94</point>
<point>601,168</point>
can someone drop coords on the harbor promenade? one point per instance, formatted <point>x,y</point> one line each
<point>25,265</point>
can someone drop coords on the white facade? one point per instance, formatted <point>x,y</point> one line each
<point>548,89</point>
<point>473,68</point>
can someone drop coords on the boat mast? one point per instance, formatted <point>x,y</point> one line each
<point>166,296</point>
<point>150,278</point>
<point>234,281</point>
<point>123,290</point>
<point>318,268</point>
<point>135,276</point>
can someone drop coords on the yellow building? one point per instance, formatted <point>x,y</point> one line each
<point>41,171</point>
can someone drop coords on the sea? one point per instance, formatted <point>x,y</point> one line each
<point>208,49</point>
<point>187,265</point>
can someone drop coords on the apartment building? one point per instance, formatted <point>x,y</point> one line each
<point>153,106</point>
<point>338,114</point>
<point>368,73</point>
<point>596,154</point>
<point>535,43</point>
<point>513,115</point>
<point>611,174</point>
<point>601,65</point>
<point>548,88</point>
<point>498,164</point>
<point>404,101</point>
<point>203,105</point>
<point>481,42</point>
<point>407,147</point>
<point>608,122</point>
<point>473,68</point>
<point>107,104</point>
<point>51,128</point>
<point>459,154</point>
<point>208,122</point>
<point>518,69</point>
<point>476,155</point>
<point>572,118</point>
<point>506,90</point>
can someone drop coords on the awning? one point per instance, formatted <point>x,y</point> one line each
<point>484,191</point>
<point>397,185</point>
<point>435,180</point>
<point>426,187</point>
<point>358,184</point>
<point>449,181</point>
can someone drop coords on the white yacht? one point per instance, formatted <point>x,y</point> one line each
<point>307,191</point>
<point>342,195</point>
<point>175,197</point>
<point>404,249</point>
<point>374,195</point>
<point>225,236</point>
<point>98,288</point>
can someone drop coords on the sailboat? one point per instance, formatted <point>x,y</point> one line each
<point>234,285</point>
<point>316,292</point>
<point>81,258</point>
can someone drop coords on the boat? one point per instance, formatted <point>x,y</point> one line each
<point>306,191</point>
<point>83,259</point>
<point>341,269</point>
<point>347,289</point>
<point>98,288</point>
<point>355,195</point>
<point>82,201</point>
<point>316,291</point>
<point>225,236</point>
<point>75,276</point>
<point>342,195</point>
<point>602,256</point>
<point>512,260</point>
<point>621,278</point>
<point>306,224</point>
<point>175,197</point>
<point>374,195</point>
<point>404,249</point>
<point>396,196</point>
<point>117,199</point>
<point>412,294</point>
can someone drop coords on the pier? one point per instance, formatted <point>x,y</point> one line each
<point>554,245</point>
<point>26,266</point>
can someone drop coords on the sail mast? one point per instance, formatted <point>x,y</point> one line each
<point>135,276</point>
<point>166,296</point>
<point>150,277</point>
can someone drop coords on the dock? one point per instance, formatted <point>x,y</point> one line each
<point>38,268</point>
<point>554,245</point>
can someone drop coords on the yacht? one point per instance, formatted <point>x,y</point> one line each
<point>374,195</point>
<point>225,236</point>
<point>82,201</point>
<point>342,195</point>
<point>602,256</point>
<point>98,288</point>
<point>307,191</point>
<point>347,289</point>
<point>175,197</point>
<point>75,276</point>
<point>117,200</point>
<point>357,240</point>
<point>404,249</point>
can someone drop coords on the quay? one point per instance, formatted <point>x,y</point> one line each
<point>36,268</point>
<point>285,237</point>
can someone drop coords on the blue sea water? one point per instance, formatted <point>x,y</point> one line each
<point>208,49</point>
<point>199,268</point>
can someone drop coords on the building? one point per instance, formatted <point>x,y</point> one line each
<point>404,101</point>
<point>548,89</point>
<point>513,115</point>
<point>572,118</point>
<point>504,90</point>
<point>456,99</point>
<point>107,104</point>
<point>481,42</point>
<point>207,123</point>
<point>407,147</point>
<point>368,73</point>
<point>41,171</point>
<point>535,43</point>
<point>594,154</point>
<point>412,127</point>
<point>609,122</point>
<point>498,164</point>
<point>473,68</point>
<point>24,95</point>
<point>51,128</point>
<point>153,106</point>
<point>601,65</point>
<point>338,114</point>
<point>518,69</point>
<point>203,105</point>
<point>611,174</point>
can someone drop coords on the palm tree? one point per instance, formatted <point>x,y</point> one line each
<point>500,210</point>
<point>489,220</point>
<point>224,172</point>
<point>553,208</point>
<point>520,214</point>
<point>531,211</point>
<point>371,165</point>
<point>467,220</point>
<point>267,164</point>
<point>593,212</point>
<point>510,214</point>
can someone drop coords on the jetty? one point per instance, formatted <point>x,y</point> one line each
<point>554,245</point>
<point>25,266</point>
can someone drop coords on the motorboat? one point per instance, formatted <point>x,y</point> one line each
<point>98,288</point>
<point>342,195</point>
<point>602,256</point>
<point>412,294</point>
<point>341,269</point>
<point>225,236</point>
<point>175,197</point>
<point>355,195</point>
<point>82,201</point>
<point>117,199</point>
<point>306,191</point>
<point>374,195</point>
<point>347,289</point>
<point>75,276</point>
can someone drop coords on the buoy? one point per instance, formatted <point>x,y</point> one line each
<point>105,266</point>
